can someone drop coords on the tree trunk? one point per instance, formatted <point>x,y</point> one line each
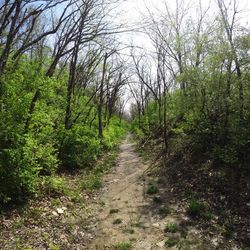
<point>165,129</point>
<point>100,125</point>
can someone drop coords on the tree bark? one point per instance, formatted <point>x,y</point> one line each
<point>100,125</point>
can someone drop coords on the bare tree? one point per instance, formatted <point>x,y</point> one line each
<point>83,25</point>
<point>18,20</point>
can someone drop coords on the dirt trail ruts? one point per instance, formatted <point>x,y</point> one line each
<point>125,197</point>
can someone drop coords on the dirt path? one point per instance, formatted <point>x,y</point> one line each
<point>127,219</point>
<point>124,201</point>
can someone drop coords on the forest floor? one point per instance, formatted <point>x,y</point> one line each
<point>132,209</point>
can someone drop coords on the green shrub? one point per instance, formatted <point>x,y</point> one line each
<point>139,133</point>
<point>195,208</point>
<point>92,182</point>
<point>113,133</point>
<point>152,189</point>
<point>54,185</point>
<point>33,138</point>
<point>171,242</point>
<point>81,147</point>
<point>22,166</point>
<point>123,246</point>
<point>171,228</point>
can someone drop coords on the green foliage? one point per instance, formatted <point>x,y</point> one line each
<point>92,182</point>
<point>34,143</point>
<point>53,185</point>
<point>27,144</point>
<point>113,133</point>
<point>226,154</point>
<point>138,132</point>
<point>171,228</point>
<point>123,246</point>
<point>81,147</point>
<point>170,242</point>
<point>53,246</point>
<point>195,208</point>
<point>210,116</point>
<point>152,189</point>
<point>145,125</point>
<point>28,160</point>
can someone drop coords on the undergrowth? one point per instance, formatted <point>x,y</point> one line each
<point>61,204</point>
